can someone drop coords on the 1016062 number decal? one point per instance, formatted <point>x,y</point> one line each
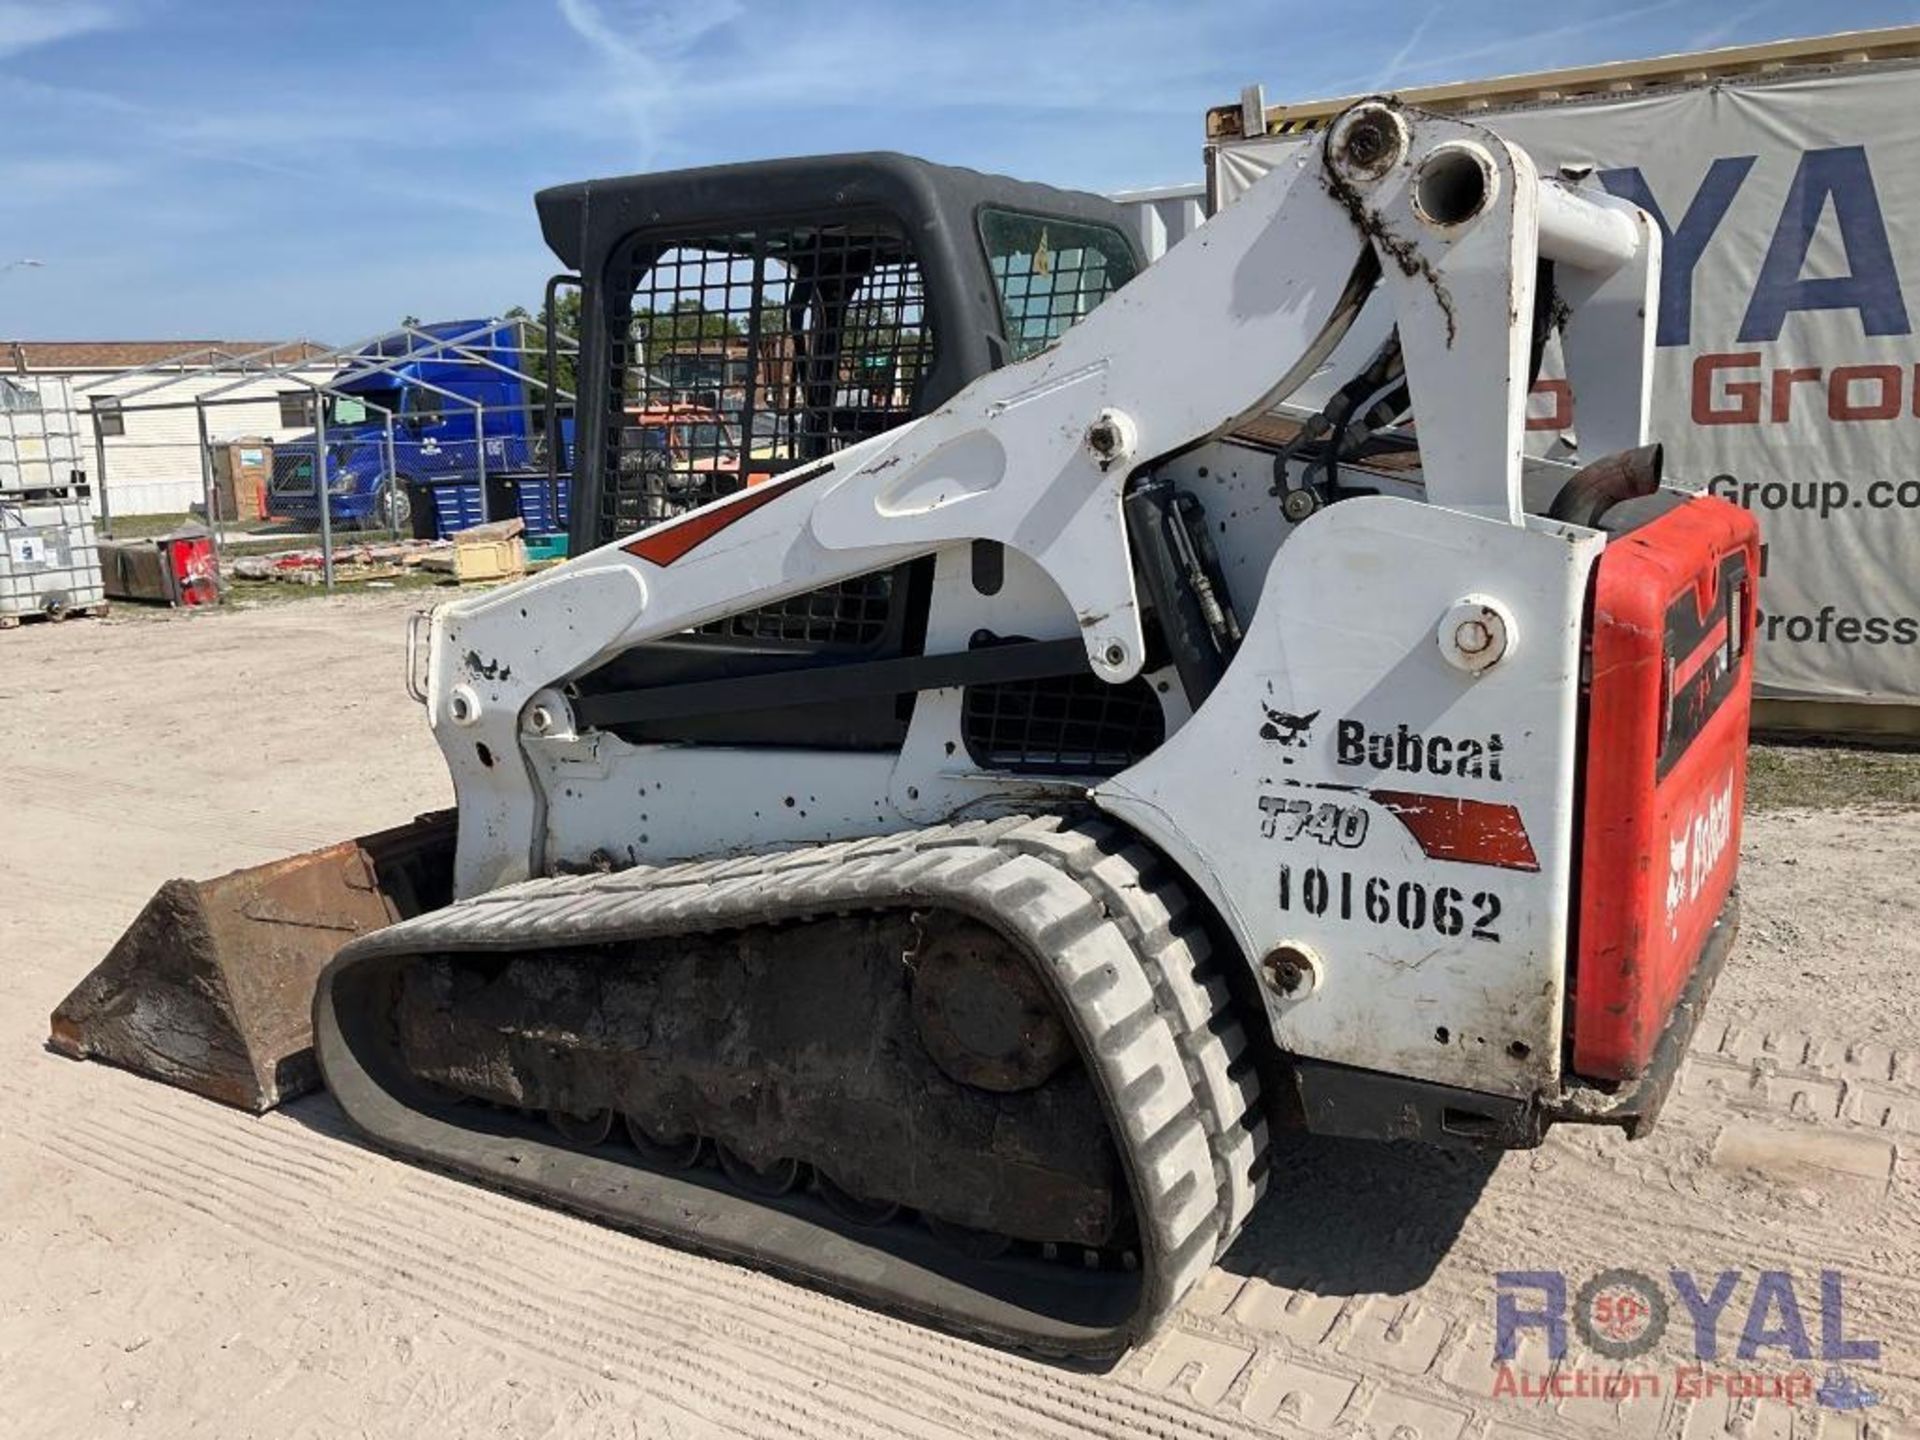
<point>1408,904</point>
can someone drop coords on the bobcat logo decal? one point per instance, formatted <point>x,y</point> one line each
<point>1292,731</point>
<point>1677,848</point>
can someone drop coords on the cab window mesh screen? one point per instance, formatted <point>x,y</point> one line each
<point>850,612</point>
<point>1050,273</point>
<point>748,353</point>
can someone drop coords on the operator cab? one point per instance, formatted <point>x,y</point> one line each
<point>739,321</point>
<point>806,304</point>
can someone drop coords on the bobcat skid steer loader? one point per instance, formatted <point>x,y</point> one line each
<point>932,865</point>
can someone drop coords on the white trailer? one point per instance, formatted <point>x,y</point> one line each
<point>1788,376</point>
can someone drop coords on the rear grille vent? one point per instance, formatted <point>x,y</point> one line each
<point>1073,725</point>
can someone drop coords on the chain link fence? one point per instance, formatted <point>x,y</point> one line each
<point>401,440</point>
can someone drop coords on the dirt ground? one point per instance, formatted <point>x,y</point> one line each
<point>170,1268</point>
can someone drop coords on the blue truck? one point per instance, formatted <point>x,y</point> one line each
<point>455,418</point>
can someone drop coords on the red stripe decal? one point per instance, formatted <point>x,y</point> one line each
<point>1714,640</point>
<point>664,544</point>
<point>1479,832</point>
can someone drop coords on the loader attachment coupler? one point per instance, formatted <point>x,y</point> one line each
<point>211,987</point>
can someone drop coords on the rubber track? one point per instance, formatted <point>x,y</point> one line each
<point>1142,895</point>
<point>1130,964</point>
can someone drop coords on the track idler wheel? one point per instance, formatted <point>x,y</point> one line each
<point>586,1130</point>
<point>984,1016</point>
<point>773,1179</point>
<point>669,1152</point>
<point>853,1208</point>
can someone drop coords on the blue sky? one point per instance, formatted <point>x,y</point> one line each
<point>273,168</point>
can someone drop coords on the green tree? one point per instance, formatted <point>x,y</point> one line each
<point>566,317</point>
<point>773,319</point>
<point>687,320</point>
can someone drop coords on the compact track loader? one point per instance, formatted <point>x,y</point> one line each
<point>930,844</point>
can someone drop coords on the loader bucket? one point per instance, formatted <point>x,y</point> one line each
<point>211,987</point>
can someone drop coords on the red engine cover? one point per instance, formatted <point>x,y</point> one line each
<point>1666,771</point>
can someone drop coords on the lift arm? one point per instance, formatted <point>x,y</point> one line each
<point>1445,217</point>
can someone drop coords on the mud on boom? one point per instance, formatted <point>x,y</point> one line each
<point>935,870</point>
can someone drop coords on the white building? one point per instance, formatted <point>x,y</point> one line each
<point>152,455</point>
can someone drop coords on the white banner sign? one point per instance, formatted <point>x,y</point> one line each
<point>1788,376</point>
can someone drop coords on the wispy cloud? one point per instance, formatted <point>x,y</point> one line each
<point>209,165</point>
<point>1727,26</point>
<point>643,47</point>
<point>27,26</point>
<point>1518,48</point>
<point>58,177</point>
<point>296,143</point>
<point>1409,48</point>
<point>680,78</point>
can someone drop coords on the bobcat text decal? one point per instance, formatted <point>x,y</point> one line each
<point>1415,753</point>
<point>1695,849</point>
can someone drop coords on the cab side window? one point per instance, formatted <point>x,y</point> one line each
<point>1050,272</point>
